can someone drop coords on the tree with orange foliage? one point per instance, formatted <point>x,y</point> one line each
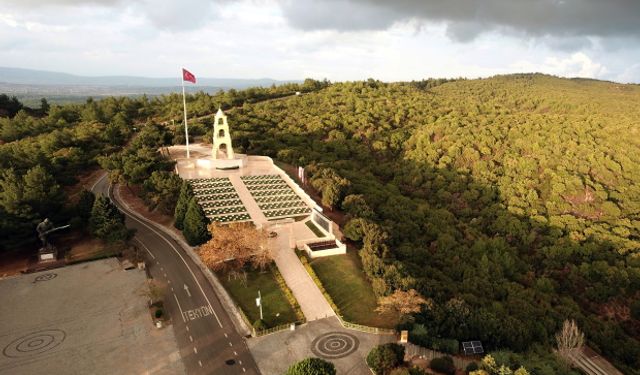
<point>234,246</point>
<point>403,303</point>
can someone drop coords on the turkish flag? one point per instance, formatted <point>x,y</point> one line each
<point>188,76</point>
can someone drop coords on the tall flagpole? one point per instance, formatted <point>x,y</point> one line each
<point>186,127</point>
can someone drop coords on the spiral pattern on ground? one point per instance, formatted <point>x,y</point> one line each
<point>334,345</point>
<point>34,343</point>
<point>45,277</point>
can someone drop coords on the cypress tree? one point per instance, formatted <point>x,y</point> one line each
<point>195,224</point>
<point>182,205</point>
<point>107,222</point>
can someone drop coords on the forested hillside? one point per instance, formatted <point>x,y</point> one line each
<point>513,202</point>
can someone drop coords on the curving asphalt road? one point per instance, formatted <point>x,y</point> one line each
<point>207,339</point>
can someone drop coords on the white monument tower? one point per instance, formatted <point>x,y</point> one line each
<point>221,136</point>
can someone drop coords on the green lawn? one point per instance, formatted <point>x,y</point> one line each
<point>274,301</point>
<point>343,279</point>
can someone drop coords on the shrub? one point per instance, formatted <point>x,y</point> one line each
<point>383,358</point>
<point>471,367</point>
<point>415,370</point>
<point>400,371</point>
<point>635,310</point>
<point>259,324</point>
<point>159,313</point>
<point>443,365</point>
<point>312,366</point>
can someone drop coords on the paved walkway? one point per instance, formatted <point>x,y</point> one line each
<point>247,199</point>
<point>311,300</point>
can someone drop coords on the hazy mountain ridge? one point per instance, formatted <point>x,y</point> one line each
<point>30,85</point>
<point>43,77</point>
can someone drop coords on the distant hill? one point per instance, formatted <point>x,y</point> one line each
<point>30,85</point>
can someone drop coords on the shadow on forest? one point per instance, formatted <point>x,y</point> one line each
<point>506,279</point>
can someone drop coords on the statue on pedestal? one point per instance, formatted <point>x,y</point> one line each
<point>47,252</point>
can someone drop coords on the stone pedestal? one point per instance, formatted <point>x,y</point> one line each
<point>47,254</point>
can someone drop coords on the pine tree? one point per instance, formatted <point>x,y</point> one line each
<point>42,192</point>
<point>85,205</point>
<point>107,222</point>
<point>182,205</point>
<point>195,224</point>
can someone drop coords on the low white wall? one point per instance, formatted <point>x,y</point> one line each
<point>340,249</point>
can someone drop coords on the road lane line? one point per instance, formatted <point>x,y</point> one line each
<point>200,363</point>
<point>146,248</point>
<point>226,336</point>
<point>134,217</point>
<point>230,344</point>
<point>240,362</point>
<point>97,182</point>
<point>187,328</point>
<point>235,353</point>
<point>195,350</point>
<point>181,313</point>
<point>190,338</point>
<point>172,289</point>
<point>244,370</point>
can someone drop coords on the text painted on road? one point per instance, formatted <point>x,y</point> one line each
<point>197,313</point>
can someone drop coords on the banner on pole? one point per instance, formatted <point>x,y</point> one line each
<point>188,76</point>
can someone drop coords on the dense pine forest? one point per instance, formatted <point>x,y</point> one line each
<point>513,202</point>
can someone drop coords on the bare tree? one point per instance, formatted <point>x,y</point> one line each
<point>569,338</point>
<point>234,246</point>
<point>404,303</point>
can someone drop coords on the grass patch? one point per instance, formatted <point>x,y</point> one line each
<point>275,306</point>
<point>343,279</point>
<point>314,228</point>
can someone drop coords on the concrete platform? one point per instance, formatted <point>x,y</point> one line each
<point>326,338</point>
<point>90,318</point>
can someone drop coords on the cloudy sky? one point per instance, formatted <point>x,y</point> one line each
<point>334,39</point>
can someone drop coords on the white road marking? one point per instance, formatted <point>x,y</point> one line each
<point>165,275</point>
<point>225,336</point>
<point>162,268</point>
<point>146,248</point>
<point>199,363</point>
<point>235,353</point>
<point>240,362</point>
<point>98,181</point>
<point>181,313</point>
<point>186,289</point>
<point>190,338</point>
<point>187,328</point>
<point>230,344</point>
<point>172,289</point>
<point>168,281</point>
<point>195,350</point>
<point>244,370</point>
<point>134,217</point>
<point>199,312</point>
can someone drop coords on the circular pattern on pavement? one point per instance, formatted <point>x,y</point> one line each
<point>334,345</point>
<point>34,343</point>
<point>45,277</point>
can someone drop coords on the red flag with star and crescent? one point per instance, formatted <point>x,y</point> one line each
<point>188,76</point>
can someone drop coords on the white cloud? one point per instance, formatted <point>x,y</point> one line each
<point>253,39</point>
<point>575,65</point>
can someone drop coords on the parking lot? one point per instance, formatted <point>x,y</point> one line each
<point>90,318</point>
